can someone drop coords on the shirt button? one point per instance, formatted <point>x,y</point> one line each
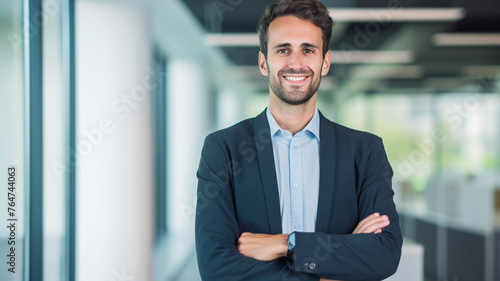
<point>295,185</point>
<point>297,227</point>
<point>312,265</point>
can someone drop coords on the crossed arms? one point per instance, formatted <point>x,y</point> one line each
<point>226,249</point>
<point>268,247</point>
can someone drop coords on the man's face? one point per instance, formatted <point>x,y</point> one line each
<point>295,61</point>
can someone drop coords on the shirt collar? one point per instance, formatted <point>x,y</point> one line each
<point>312,126</point>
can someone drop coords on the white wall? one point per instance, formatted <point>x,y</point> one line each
<point>188,109</point>
<point>115,143</point>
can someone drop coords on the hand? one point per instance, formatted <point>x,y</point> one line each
<point>263,247</point>
<point>374,223</point>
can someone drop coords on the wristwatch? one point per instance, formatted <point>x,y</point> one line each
<point>290,254</point>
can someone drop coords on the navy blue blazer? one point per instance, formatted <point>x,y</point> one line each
<point>238,192</point>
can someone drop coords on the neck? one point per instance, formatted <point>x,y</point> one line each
<point>292,118</point>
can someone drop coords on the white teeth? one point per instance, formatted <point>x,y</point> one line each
<point>293,78</point>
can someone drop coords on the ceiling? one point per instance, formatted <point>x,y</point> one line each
<point>399,55</point>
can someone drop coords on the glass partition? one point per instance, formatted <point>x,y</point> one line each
<point>55,146</point>
<point>13,137</point>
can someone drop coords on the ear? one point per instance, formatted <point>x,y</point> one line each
<point>263,64</point>
<point>326,63</point>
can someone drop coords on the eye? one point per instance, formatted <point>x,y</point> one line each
<point>282,51</point>
<point>308,51</point>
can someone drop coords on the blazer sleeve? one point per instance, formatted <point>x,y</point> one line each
<point>216,226</point>
<point>358,256</point>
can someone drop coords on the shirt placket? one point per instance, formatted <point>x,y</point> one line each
<point>296,189</point>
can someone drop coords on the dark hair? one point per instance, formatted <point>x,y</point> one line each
<point>303,9</point>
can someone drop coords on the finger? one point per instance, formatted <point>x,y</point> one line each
<point>240,241</point>
<point>366,221</point>
<point>373,224</point>
<point>244,239</point>
<point>370,217</point>
<point>376,223</point>
<point>362,224</point>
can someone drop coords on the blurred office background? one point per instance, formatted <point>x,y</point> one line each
<point>104,106</point>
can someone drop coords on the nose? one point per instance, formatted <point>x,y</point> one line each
<point>295,61</point>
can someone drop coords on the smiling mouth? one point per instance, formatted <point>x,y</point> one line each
<point>295,78</point>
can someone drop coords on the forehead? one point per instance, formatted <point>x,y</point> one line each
<point>291,29</point>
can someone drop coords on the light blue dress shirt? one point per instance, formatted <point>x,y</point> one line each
<point>296,159</point>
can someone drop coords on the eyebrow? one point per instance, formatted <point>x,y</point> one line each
<point>308,45</point>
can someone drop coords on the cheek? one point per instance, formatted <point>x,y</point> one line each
<point>276,65</point>
<point>273,70</point>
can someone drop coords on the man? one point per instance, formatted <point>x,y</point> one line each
<point>290,170</point>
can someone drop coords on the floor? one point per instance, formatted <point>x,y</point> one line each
<point>190,271</point>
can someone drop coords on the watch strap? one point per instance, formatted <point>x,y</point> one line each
<point>290,254</point>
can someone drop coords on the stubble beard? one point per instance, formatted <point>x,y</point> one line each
<point>294,97</point>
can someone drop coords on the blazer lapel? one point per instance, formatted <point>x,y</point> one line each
<point>265,157</point>
<point>326,174</point>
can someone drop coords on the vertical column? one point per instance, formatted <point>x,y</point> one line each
<point>160,106</point>
<point>33,90</point>
<point>188,123</point>
<point>114,142</point>
<point>68,53</point>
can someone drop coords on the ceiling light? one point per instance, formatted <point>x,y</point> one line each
<point>466,39</point>
<point>448,82</point>
<point>372,57</point>
<point>480,70</point>
<point>387,72</point>
<point>232,39</point>
<point>389,14</point>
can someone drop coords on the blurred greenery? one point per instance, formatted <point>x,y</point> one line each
<point>406,121</point>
